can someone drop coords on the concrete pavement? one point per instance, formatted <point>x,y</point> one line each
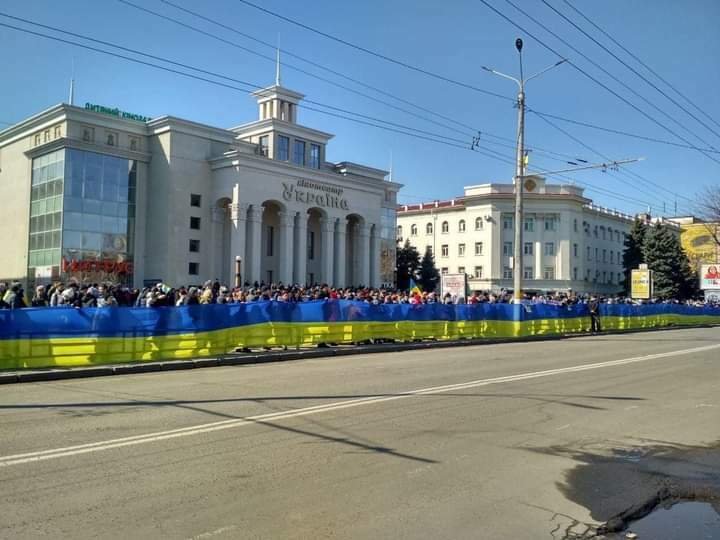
<point>494,441</point>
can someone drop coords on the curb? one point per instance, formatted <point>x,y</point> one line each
<point>304,354</point>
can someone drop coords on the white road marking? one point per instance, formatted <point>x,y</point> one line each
<point>210,534</point>
<point>30,457</point>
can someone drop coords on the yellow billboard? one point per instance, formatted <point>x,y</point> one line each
<point>641,284</point>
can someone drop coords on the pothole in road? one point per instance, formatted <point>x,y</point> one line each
<point>642,489</point>
<point>680,521</point>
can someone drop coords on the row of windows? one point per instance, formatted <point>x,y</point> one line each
<point>298,151</point>
<point>528,248</point>
<point>111,138</point>
<point>444,227</point>
<point>47,135</point>
<point>615,256</point>
<point>548,273</point>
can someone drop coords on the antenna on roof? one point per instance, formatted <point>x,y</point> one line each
<point>277,62</point>
<point>71,99</point>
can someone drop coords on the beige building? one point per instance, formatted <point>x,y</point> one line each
<point>97,193</point>
<point>568,242</point>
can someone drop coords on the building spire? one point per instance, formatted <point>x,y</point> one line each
<point>71,99</point>
<point>277,63</point>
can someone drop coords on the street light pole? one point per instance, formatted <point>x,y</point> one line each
<point>519,169</point>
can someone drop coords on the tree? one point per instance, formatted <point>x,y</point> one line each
<point>407,265</point>
<point>672,275</point>
<point>633,254</point>
<point>429,275</point>
<point>709,210</point>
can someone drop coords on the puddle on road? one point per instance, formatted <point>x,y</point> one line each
<point>684,520</point>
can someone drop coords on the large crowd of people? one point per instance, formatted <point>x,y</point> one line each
<point>103,295</point>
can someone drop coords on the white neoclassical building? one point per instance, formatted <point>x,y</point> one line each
<point>568,242</point>
<point>99,193</point>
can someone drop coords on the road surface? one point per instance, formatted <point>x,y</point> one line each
<point>507,441</point>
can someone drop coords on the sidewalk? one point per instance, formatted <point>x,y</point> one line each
<point>259,357</point>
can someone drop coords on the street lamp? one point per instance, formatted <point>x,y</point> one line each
<point>520,166</point>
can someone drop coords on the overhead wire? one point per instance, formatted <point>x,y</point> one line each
<point>638,60</point>
<point>594,79</point>
<point>632,69</point>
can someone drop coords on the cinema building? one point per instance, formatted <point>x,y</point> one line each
<point>96,193</point>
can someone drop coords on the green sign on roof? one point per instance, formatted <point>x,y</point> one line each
<point>116,112</point>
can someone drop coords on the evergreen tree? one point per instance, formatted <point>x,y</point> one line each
<point>407,265</point>
<point>429,275</point>
<point>633,254</point>
<point>672,275</point>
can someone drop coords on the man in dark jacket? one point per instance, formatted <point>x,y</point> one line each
<point>594,309</point>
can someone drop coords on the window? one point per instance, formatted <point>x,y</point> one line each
<point>612,257</point>
<point>597,276</point>
<point>265,145</point>
<point>461,269</point>
<point>37,139</point>
<point>478,248</point>
<point>617,236</point>
<point>444,250</point>
<point>270,240</point>
<point>195,200</point>
<point>461,250</point>
<point>88,134</point>
<point>529,224</point>
<point>602,229</point>
<point>478,273</point>
<point>549,272</point>
<point>283,149</point>
<point>299,153</point>
<point>507,272</point>
<point>575,225</point>
<point>507,222</point>
<point>134,143</point>
<point>575,273</point>
<point>444,270</point>
<point>619,277</point>
<point>311,246</point>
<point>269,274</point>
<point>549,248</point>
<point>604,279</point>
<point>619,258</point>
<point>587,275</point>
<point>57,132</point>
<point>195,223</point>
<point>604,255</point>
<point>428,249</point>
<point>597,257</point>
<point>428,228</point>
<point>588,253</point>
<point>445,227</point>
<point>549,224</point>
<point>528,272</point>
<point>194,246</point>
<point>413,230</point>
<point>461,225</point>
<point>111,139</point>
<point>528,248</point>
<point>478,224</point>
<point>399,232</point>
<point>575,250</point>
<point>46,135</point>
<point>507,249</point>
<point>315,156</point>
<point>610,278</point>
<point>595,231</point>
<point>193,268</point>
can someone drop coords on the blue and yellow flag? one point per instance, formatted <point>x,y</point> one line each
<point>414,287</point>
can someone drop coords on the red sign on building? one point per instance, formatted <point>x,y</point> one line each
<point>108,266</point>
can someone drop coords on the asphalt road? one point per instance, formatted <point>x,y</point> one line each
<point>509,441</point>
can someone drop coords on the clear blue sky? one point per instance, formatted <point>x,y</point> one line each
<point>680,40</point>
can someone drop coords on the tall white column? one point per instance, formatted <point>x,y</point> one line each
<point>287,243</point>
<point>215,260</point>
<point>254,250</point>
<point>301,252</point>
<point>340,256</point>
<point>364,256</point>
<point>374,257</point>
<point>328,241</point>
<point>238,232</point>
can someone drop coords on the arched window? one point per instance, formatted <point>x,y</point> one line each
<point>478,224</point>
<point>445,227</point>
<point>413,230</point>
<point>461,225</point>
<point>428,228</point>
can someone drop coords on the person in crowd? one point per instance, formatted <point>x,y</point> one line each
<point>14,297</point>
<point>594,309</point>
<point>40,299</point>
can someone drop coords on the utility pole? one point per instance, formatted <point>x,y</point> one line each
<point>520,168</point>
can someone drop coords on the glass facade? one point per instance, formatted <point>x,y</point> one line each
<point>283,148</point>
<point>315,156</point>
<point>82,216</point>
<point>299,153</point>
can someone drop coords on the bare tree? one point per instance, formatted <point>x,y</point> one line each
<point>709,211</point>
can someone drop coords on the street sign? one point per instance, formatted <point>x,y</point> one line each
<point>641,284</point>
<point>710,277</point>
